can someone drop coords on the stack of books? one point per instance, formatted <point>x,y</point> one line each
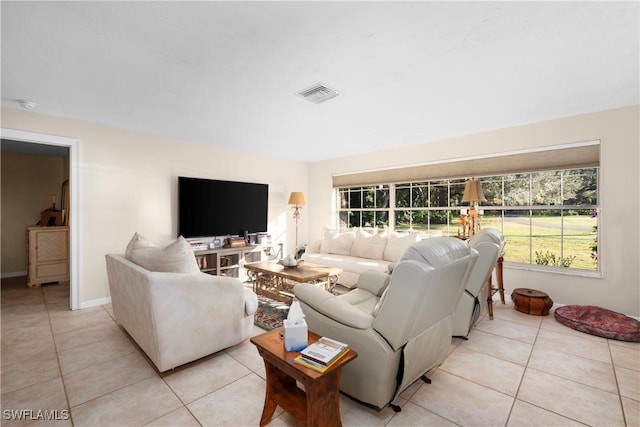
<point>322,354</point>
<point>234,242</point>
<point>197,245</point>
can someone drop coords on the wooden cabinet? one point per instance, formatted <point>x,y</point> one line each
<point>228,261</point>
<point>48,255</point>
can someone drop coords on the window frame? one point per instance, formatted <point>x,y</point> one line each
<point>455,205</point>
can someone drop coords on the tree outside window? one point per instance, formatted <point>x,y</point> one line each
<point>549,218</point>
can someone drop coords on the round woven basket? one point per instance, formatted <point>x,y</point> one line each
<point>530,301</point>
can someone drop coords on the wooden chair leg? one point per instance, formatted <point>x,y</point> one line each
<point>499,279</point>
<point>490,297</point>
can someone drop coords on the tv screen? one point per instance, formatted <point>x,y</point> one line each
<point>208,207</point>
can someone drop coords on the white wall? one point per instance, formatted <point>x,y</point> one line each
<point>618,130</point>
<point>28,183</point>
<point>128,183</point>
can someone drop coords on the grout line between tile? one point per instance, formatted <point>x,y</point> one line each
<point>615,376</point>
<point>535,345</point>
<point>528,369</point>
<point>55,346</point>
<point>524,372</point>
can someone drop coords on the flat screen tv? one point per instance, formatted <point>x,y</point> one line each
<point>208,207</point>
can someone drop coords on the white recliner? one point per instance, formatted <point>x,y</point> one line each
<point>489,243</point>
<point>399,324</point>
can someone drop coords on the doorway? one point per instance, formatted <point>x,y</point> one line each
<point>29,142</point>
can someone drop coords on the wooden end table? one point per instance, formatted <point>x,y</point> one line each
<point>319,404</point>
<point>491,291</point>
<point>276,281</point>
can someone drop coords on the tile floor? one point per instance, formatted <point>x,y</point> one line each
<point>515,370</point>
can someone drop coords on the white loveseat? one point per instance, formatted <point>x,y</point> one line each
<point>178,317</point>
<point>357,251</point>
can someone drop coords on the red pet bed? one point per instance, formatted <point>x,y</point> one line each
<point>599,321</point>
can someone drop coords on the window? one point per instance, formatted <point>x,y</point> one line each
<point>366,207</point>
<point>549,217</point>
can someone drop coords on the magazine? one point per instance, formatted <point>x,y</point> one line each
<point>315,366</point>
<point>324,351</point>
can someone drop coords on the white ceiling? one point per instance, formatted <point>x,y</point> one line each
<point>226,73</point>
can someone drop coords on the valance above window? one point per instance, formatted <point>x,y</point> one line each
<point>573,156</point>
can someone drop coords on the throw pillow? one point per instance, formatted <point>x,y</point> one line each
<point>325,239</point>
<point>337,243</point>
<point>368,245</point>
<point>136,241</point>
<point>326,229</point>
<point>176,257</point>
<point>138,249</point>
<point>397,244</point>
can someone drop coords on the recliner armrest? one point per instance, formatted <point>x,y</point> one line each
<point>331,306</point>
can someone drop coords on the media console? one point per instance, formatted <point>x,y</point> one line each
<point>228,261</point>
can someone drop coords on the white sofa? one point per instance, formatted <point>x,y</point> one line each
<point>178,317</point>
<point>356,251</point>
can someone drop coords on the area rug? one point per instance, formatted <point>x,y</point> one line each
<point>270,313</point>
<point>599,321</point>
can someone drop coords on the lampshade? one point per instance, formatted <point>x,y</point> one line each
<point>473,192</point>
<point>296,198</point>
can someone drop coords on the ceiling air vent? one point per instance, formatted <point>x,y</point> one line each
<point>318,93</point>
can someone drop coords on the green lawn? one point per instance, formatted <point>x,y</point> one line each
<point>543,234</point>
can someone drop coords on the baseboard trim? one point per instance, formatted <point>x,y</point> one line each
<point>13,274</point>
<point>95,302</point>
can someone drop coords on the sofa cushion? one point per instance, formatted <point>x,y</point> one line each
<point>337,243</point>
<point>397,244</point>
<point>363,300</point>
<point>347,263</point>
<point>177,257</point>
<point>368,245</point>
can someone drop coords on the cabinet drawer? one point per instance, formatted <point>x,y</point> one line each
<point>52,246</point>
<point>52,270</point>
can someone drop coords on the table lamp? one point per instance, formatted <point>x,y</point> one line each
<point>473,194</point>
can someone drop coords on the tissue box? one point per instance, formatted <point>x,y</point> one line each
<point>295,335</point>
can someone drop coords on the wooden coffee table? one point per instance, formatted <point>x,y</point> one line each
<point>276,281</point>
<point>319,404</point>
